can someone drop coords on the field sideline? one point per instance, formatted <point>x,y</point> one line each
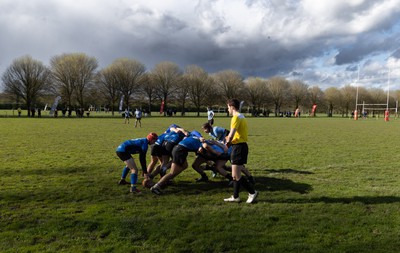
<point>327,185</point>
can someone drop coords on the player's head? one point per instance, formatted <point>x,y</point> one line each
<point>235,103</point>
<point>151,138</point>
<point>206,127</point>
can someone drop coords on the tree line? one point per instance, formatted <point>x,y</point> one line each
<point>76,78</point>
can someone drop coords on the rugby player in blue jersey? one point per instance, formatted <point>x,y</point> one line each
<point>160,150</point>
<point>175,135</point>
<point>216,132</point>
<point>125,151</point>
<point>216,152</point>
<point>180,152</point>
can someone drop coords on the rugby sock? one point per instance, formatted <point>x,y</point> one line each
<point>236,188</point>
<point>229,177</point>
<point>125,172</point>
<point>247,185</point>
<point>133,179</point>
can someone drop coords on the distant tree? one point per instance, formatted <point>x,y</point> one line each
<point>316,96</point>
<point>256,93</point>
<point>130,74</point>
<point>229,84</point>
<point>377,96</point>
<point>333,98</point>
<point>198,82</point>
<point>279,89</point>
<point>298,92</point>
<point>108,85</point>
<point>26,78</point>
<point>149,89</point>
<point>182,94</point>
<point>73,73</point>
<point>165,76</point>
<point>349,97</point>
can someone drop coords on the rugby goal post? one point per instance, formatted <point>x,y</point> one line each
<point>377,108</point>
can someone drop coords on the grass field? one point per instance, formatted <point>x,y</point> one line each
<point>326,185</point>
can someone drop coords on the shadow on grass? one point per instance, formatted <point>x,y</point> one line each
<point>368,200</point>
<point>262,184</point>
<point>288,170</point>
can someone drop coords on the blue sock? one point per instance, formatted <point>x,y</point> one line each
<point>133,179</point>
<point>125,172</point>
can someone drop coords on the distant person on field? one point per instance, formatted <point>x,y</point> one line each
<point>125,151</point>
<point>237,139</point>
<point>210,116</point>
<point>126,114</point>
<point>19,111</point>
<point>138,116</point>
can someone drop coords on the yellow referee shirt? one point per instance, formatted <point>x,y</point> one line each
<point>239,122</point>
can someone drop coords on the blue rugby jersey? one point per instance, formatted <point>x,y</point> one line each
<point>218,133</point>
<point>134,146</point>
<point>174,137</point>
<point>191,143</point>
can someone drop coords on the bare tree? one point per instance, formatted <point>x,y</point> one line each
<point>149,89</point>
<point>129,74</point>
<point>316,96</point>
<point>182,94</point>
<point>109,86</point>
<point>256,93</point>
<point>229,84</point>
<point>198,82</point>
<point>298,92</point>
<point>333,98</point>
<point>279,89</point>
<point>349,96</point>
<point>377,96</point>
<point>165,76</point>
<point>73,73</point>
<point>26,78</point>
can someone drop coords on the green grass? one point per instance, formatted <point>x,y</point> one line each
<point>327,185</point>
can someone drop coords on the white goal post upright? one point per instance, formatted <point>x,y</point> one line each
<point>384,107</point>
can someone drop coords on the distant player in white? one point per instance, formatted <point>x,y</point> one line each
<point>138,115</point>
<point>210,116</point>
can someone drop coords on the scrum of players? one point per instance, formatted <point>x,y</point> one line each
<point>169,152</point>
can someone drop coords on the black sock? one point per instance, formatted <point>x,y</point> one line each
<point>229,177</point>
<point>247,185</point>
<point>236,189</point>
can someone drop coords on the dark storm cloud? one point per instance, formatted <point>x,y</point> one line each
<point>255,37</point>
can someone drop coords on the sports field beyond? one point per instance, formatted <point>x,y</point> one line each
<point>326,185</point>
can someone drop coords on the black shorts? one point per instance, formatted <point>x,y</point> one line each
<point>239,153</point>
<point>179,154</point>
<point>211,157</point>
<point>168,147</point>
<point>124,156</point>
<point>208,156</point>
<point>156,150</point>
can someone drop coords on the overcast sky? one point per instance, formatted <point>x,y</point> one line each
<point>321,42</point>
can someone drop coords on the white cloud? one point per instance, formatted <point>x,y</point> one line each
<point>320,41</point>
